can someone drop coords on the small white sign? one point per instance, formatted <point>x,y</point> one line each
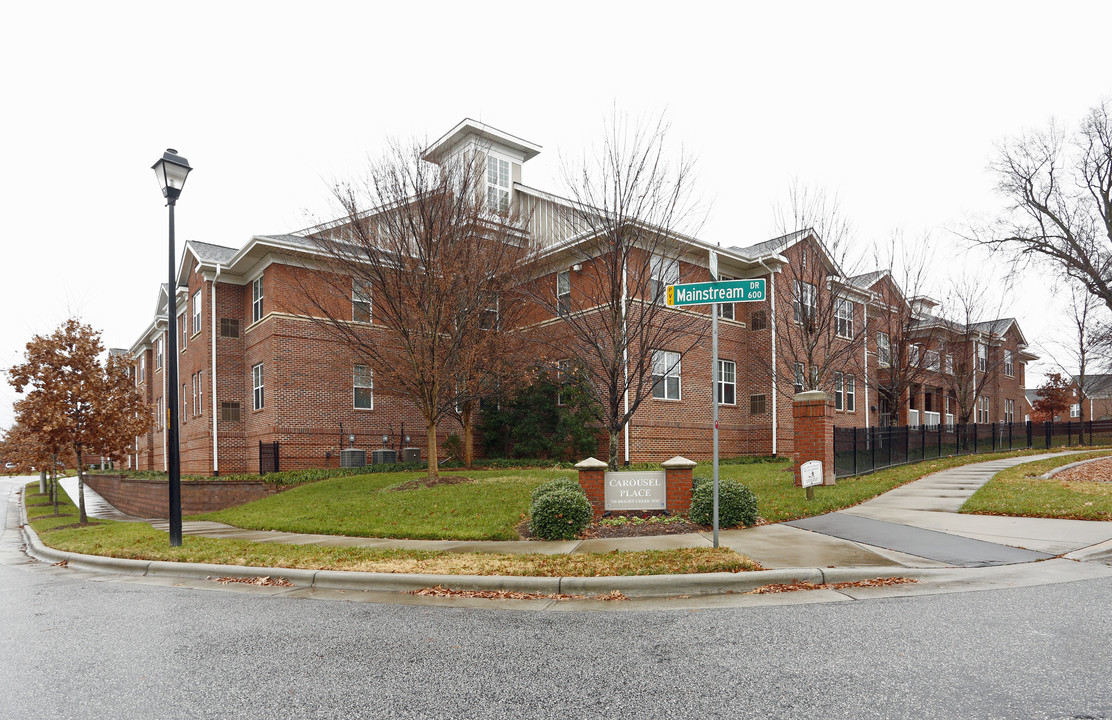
<point>635,490</point>
<point>810,473</point>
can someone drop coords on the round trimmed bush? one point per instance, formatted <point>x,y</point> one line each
<point>560,514</point>
<point>737,505</point>
<point>564,483</point>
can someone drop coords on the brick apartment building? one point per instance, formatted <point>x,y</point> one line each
<point>255,368</point>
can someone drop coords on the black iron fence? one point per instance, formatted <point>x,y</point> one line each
<point>863,450</point>
<point>268,457</point>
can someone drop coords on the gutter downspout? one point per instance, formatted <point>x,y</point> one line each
<point>865,354</point>
<point>772,319</point>
<point>215,440</point>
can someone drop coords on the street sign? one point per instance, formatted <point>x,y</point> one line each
<point>810,473</point>
<point>723,291</point>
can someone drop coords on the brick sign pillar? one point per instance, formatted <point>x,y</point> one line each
<point>591,475</point>
<point>813,413</point>
<point>679,479</point>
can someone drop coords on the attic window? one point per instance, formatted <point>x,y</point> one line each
<point>498,184</point>
<point>229,327</point>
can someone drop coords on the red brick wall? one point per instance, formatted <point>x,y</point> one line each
<point>150,498</point>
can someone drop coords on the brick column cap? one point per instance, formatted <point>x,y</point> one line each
<point>678,463</point>
<point>810,395</point>
<point>591,464</point>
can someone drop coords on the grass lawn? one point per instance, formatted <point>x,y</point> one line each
<point>141,541</point>
<point>1019,491</point>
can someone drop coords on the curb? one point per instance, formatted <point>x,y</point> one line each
<point>1063,468</point>
<point>641,586</point>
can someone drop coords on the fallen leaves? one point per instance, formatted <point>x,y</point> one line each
<point>798,585</point>
<point>265,581</point>
<point>441,591</point>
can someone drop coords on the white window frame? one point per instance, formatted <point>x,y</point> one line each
<point>843,318</point>
<point>497,184</point>
<point>1009,411</point>
<point>727,379</point>
<point>666,367</point>
<point>933,360</point>
<point>851,393</point>
<point>949,364</point>
<point>883,349</point>
<point>257,299</point>
<point>200,392</point>
<point>1009,364</point>
<point>806,295</point>
<point>982,357</point>
<point>1075,410</point>
<point>142,368</point>
<point>563,292</point>
<point>361,296</point>
<point>198,316</point>
<point>798,383</point>
<point>182,317</point>
<point>362,380</point>
<point>258,398</point>
<point>662,273</point>
<point>838,390</point>
<point>913,356</point>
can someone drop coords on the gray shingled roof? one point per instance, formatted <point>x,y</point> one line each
<point>1032,395</point>
<point>993,327</point>
<point>209,253</point>
<point>286,239</point>
<point>1098,386</point>
<point>866,280</point>
<point>773,246</point>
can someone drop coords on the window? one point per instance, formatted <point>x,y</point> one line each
<point>982,357</point>
<point>949,364</point>
<point>257,299</point>
<point>1009,411</point>
<point>726,311</point>
<point>758,320</point>
<point>489,318</point>
<point>798,378</point>
<point>843,318</point>
<point>982,409</point>
<point>757,405</point>
<point>933,360</point>
<point>183,404</point>
<point>143,367</point>
<point>229,412</point>
<point>563,370</point>
<point>1075,410</point>
<point>563,292</point>
<point>883,349</point>
<point>257,386</point>
<point>1009,364</point>
<point>229,327</point>
<point>197,304</point>
<point>184,331</point>
<point>498,184</point>
<point>804,302</point>
<point>160,421</point>
<point>851,393</point>
<point>200,392</point>
<point>914,355</point>
<point>666,375</point>
<point>838,389</point>
<point>727,382</point>
<point>663,272</point>
<point>363,383</point>
<point>360,301</point>
<point>158,354</point>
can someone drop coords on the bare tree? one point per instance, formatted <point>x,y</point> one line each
<point>1088,346</point>
<point>621,241</point>
<point>823,337</point>
<point>420,282</point>
<point>1059,190</point>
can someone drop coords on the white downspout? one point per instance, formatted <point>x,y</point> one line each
<point>212,406</point>
<point>865,330</point>
<point>772,320</point>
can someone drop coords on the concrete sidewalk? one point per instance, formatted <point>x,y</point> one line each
<point>914,526</point>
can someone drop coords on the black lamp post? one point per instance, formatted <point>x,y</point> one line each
<point>171,171</point>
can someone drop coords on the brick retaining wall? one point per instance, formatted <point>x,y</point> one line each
<point>146,497</point>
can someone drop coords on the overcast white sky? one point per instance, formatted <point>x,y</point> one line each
<point>893,106</point>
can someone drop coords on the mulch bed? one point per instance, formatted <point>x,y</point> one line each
<point>1095,471</point>
<point>597,530</point>
<point>430,482</point>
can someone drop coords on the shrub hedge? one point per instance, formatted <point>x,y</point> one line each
<point>737,505</point>
<point>559,511</point>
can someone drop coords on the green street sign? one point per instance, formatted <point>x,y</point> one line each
<point>724,291</point>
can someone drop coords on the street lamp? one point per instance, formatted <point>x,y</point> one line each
<point>171,171</point>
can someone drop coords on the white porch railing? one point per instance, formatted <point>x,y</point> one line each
<point>913,418</point>
<point>931,419</point>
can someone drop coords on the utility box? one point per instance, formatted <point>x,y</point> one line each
<point>352,457</point>
<point>411,455</point>
<point>383,457</point>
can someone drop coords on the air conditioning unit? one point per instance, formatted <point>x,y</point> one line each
<point>353,458</point>
<point>382,457</point>
<point>411,455</point>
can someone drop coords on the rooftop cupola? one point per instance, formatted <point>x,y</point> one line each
<point>502,155</point>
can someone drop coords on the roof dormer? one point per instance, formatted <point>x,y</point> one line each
<point>502,157</point>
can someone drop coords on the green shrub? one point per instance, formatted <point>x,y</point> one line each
<point>560,514</point>
<point>563,483</point>
<point>737,505</point>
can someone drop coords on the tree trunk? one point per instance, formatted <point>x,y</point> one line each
<point>434,463</point>
<point>81,487</point>
<point>468,436</point>
<point>614,434</point>
<point>54,481</point>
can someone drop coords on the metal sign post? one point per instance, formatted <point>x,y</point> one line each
<point>714,385</point>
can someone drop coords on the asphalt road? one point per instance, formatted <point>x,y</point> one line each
<point>82,646</point>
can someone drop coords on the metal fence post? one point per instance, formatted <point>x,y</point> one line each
<point>874,434</point>
<point>1030,436</point>
<point>976,445</point>
<point>855,451</point>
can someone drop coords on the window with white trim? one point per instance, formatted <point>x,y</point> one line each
<point>1009,411</point>
<point>914,355</point>
<point>363,384</point>
<point>851,393</point>
<point>143,368</point>
<point>666,375</point>
<point>949,364</point>
<point>804,302</point>
<point>1075,410</point>
<point>934,360</point>
<point>726,311</point>
<point>838,400</point>
<point>843,317</point>
<point>563,292</point>
<point>727,382</point>
<point>184,331</point>
<point>982,409</point>
<point>798,378</point>
<point>982,357</point>
<point>662,273</point>
<point>883,349</point>
<point>197,316</point>
<point>1009,364</point>
<point>257,386</point>
<point>257,299</point>
<point>498,184</point>
<point>360,301</point>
